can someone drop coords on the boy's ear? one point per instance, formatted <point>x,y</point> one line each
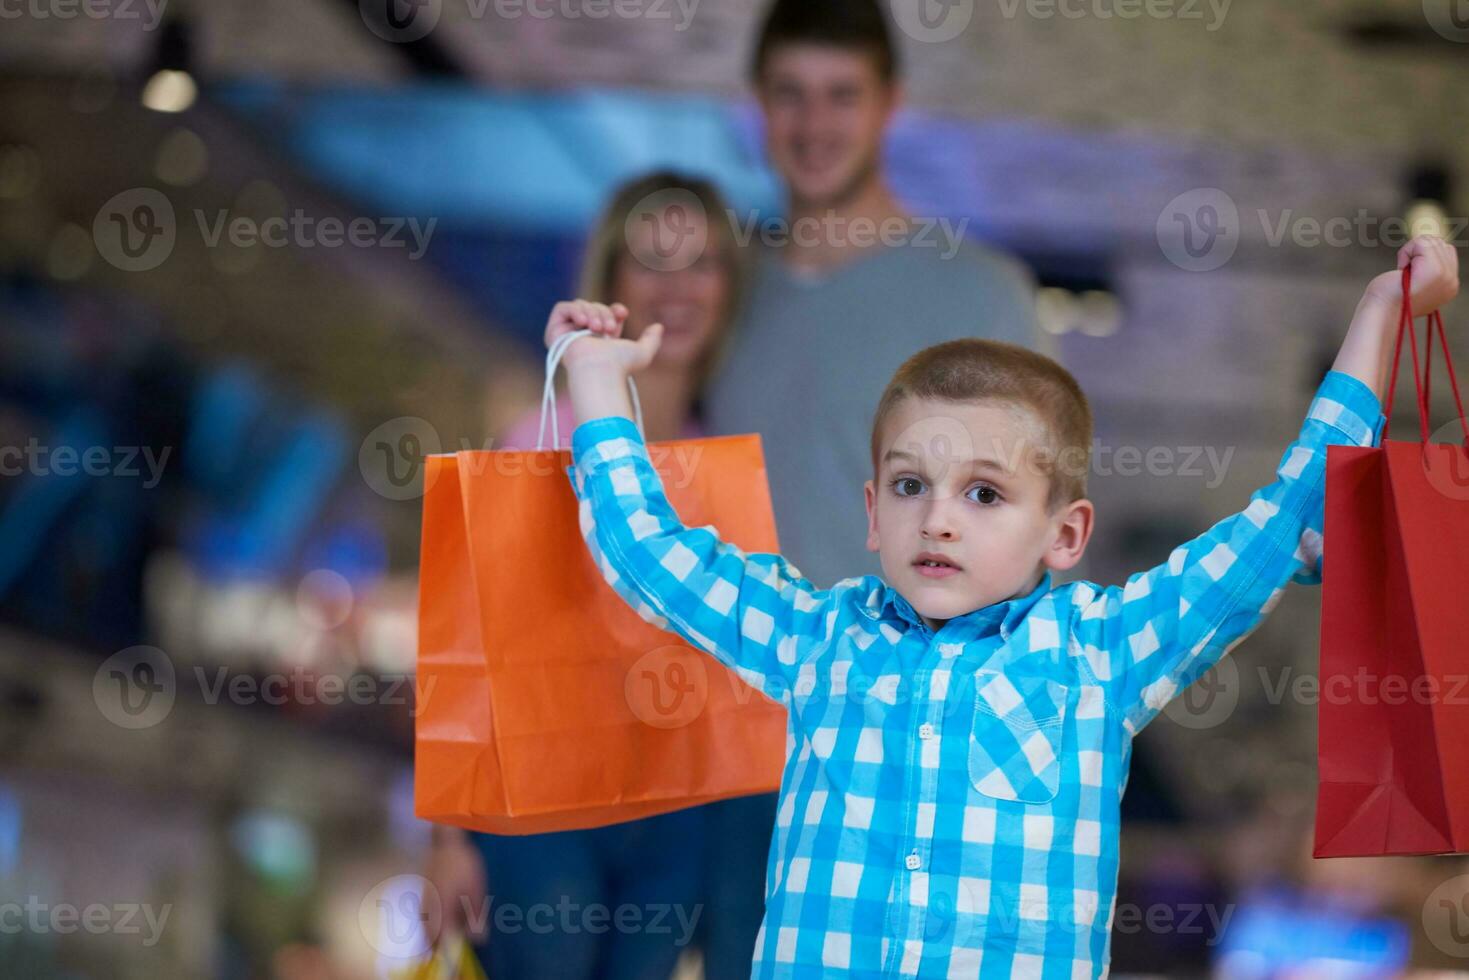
<point>1073,529</point>
<point>869,493</point>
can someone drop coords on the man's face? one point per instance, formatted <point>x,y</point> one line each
<point>826,109</point>
<point>960,481</point>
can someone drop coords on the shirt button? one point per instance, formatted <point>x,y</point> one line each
<point>925,730</point>
<point>912,862</point>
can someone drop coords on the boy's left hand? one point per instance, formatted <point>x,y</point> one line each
<point>1435,275</point>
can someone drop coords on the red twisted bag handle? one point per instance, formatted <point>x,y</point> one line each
<point>1421,384</point>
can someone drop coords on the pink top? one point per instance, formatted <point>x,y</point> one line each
<point>522,433</point>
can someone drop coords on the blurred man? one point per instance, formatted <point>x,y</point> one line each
<point>848,284</point>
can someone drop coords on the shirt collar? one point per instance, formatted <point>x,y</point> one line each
<point>886,602</point>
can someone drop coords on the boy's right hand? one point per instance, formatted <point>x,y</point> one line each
<point>606,346</point>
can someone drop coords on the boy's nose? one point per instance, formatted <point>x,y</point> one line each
<point>937,525</point>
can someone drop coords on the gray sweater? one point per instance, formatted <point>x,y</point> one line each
<point>808,361</point>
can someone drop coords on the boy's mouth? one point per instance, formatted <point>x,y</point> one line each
<point>935,565</point>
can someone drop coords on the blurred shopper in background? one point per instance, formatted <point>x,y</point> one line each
<point>848,284</point>
<point>663,250</point>
<point>845,288</point>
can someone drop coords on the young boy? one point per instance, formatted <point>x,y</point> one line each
<point>960,729</point>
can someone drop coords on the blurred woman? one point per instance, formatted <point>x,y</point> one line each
<point>665,249</point>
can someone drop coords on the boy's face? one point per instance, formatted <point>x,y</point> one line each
<point>959,480</point>
<point>826,109</point>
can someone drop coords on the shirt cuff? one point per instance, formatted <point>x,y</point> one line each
<point>1349,406</point>
<point>599,442</point>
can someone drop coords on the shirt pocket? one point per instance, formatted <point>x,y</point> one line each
<point>1015,745</point>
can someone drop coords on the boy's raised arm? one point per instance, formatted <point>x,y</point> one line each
<point>1148,640</point>
<point>750,611</point>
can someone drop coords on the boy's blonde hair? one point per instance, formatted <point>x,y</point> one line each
<point>972,370</point>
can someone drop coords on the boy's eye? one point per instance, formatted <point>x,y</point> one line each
<point>902,482</point>
<point>908,486</point>
<point>986,495</point>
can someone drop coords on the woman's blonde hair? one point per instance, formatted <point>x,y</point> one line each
<point>608,246</point>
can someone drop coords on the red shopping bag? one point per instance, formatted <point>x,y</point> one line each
<point>545,702</point>
<point>1394,712</point>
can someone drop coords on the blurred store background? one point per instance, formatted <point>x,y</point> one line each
<point>210,455</point>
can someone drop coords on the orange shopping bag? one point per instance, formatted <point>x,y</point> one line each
<point>546,703</point>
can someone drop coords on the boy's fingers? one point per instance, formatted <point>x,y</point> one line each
<point>595,319</point>
<point>1407,252</point>
<point>650,339</point>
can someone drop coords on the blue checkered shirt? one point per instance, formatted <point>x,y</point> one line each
<point>949,805</point>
